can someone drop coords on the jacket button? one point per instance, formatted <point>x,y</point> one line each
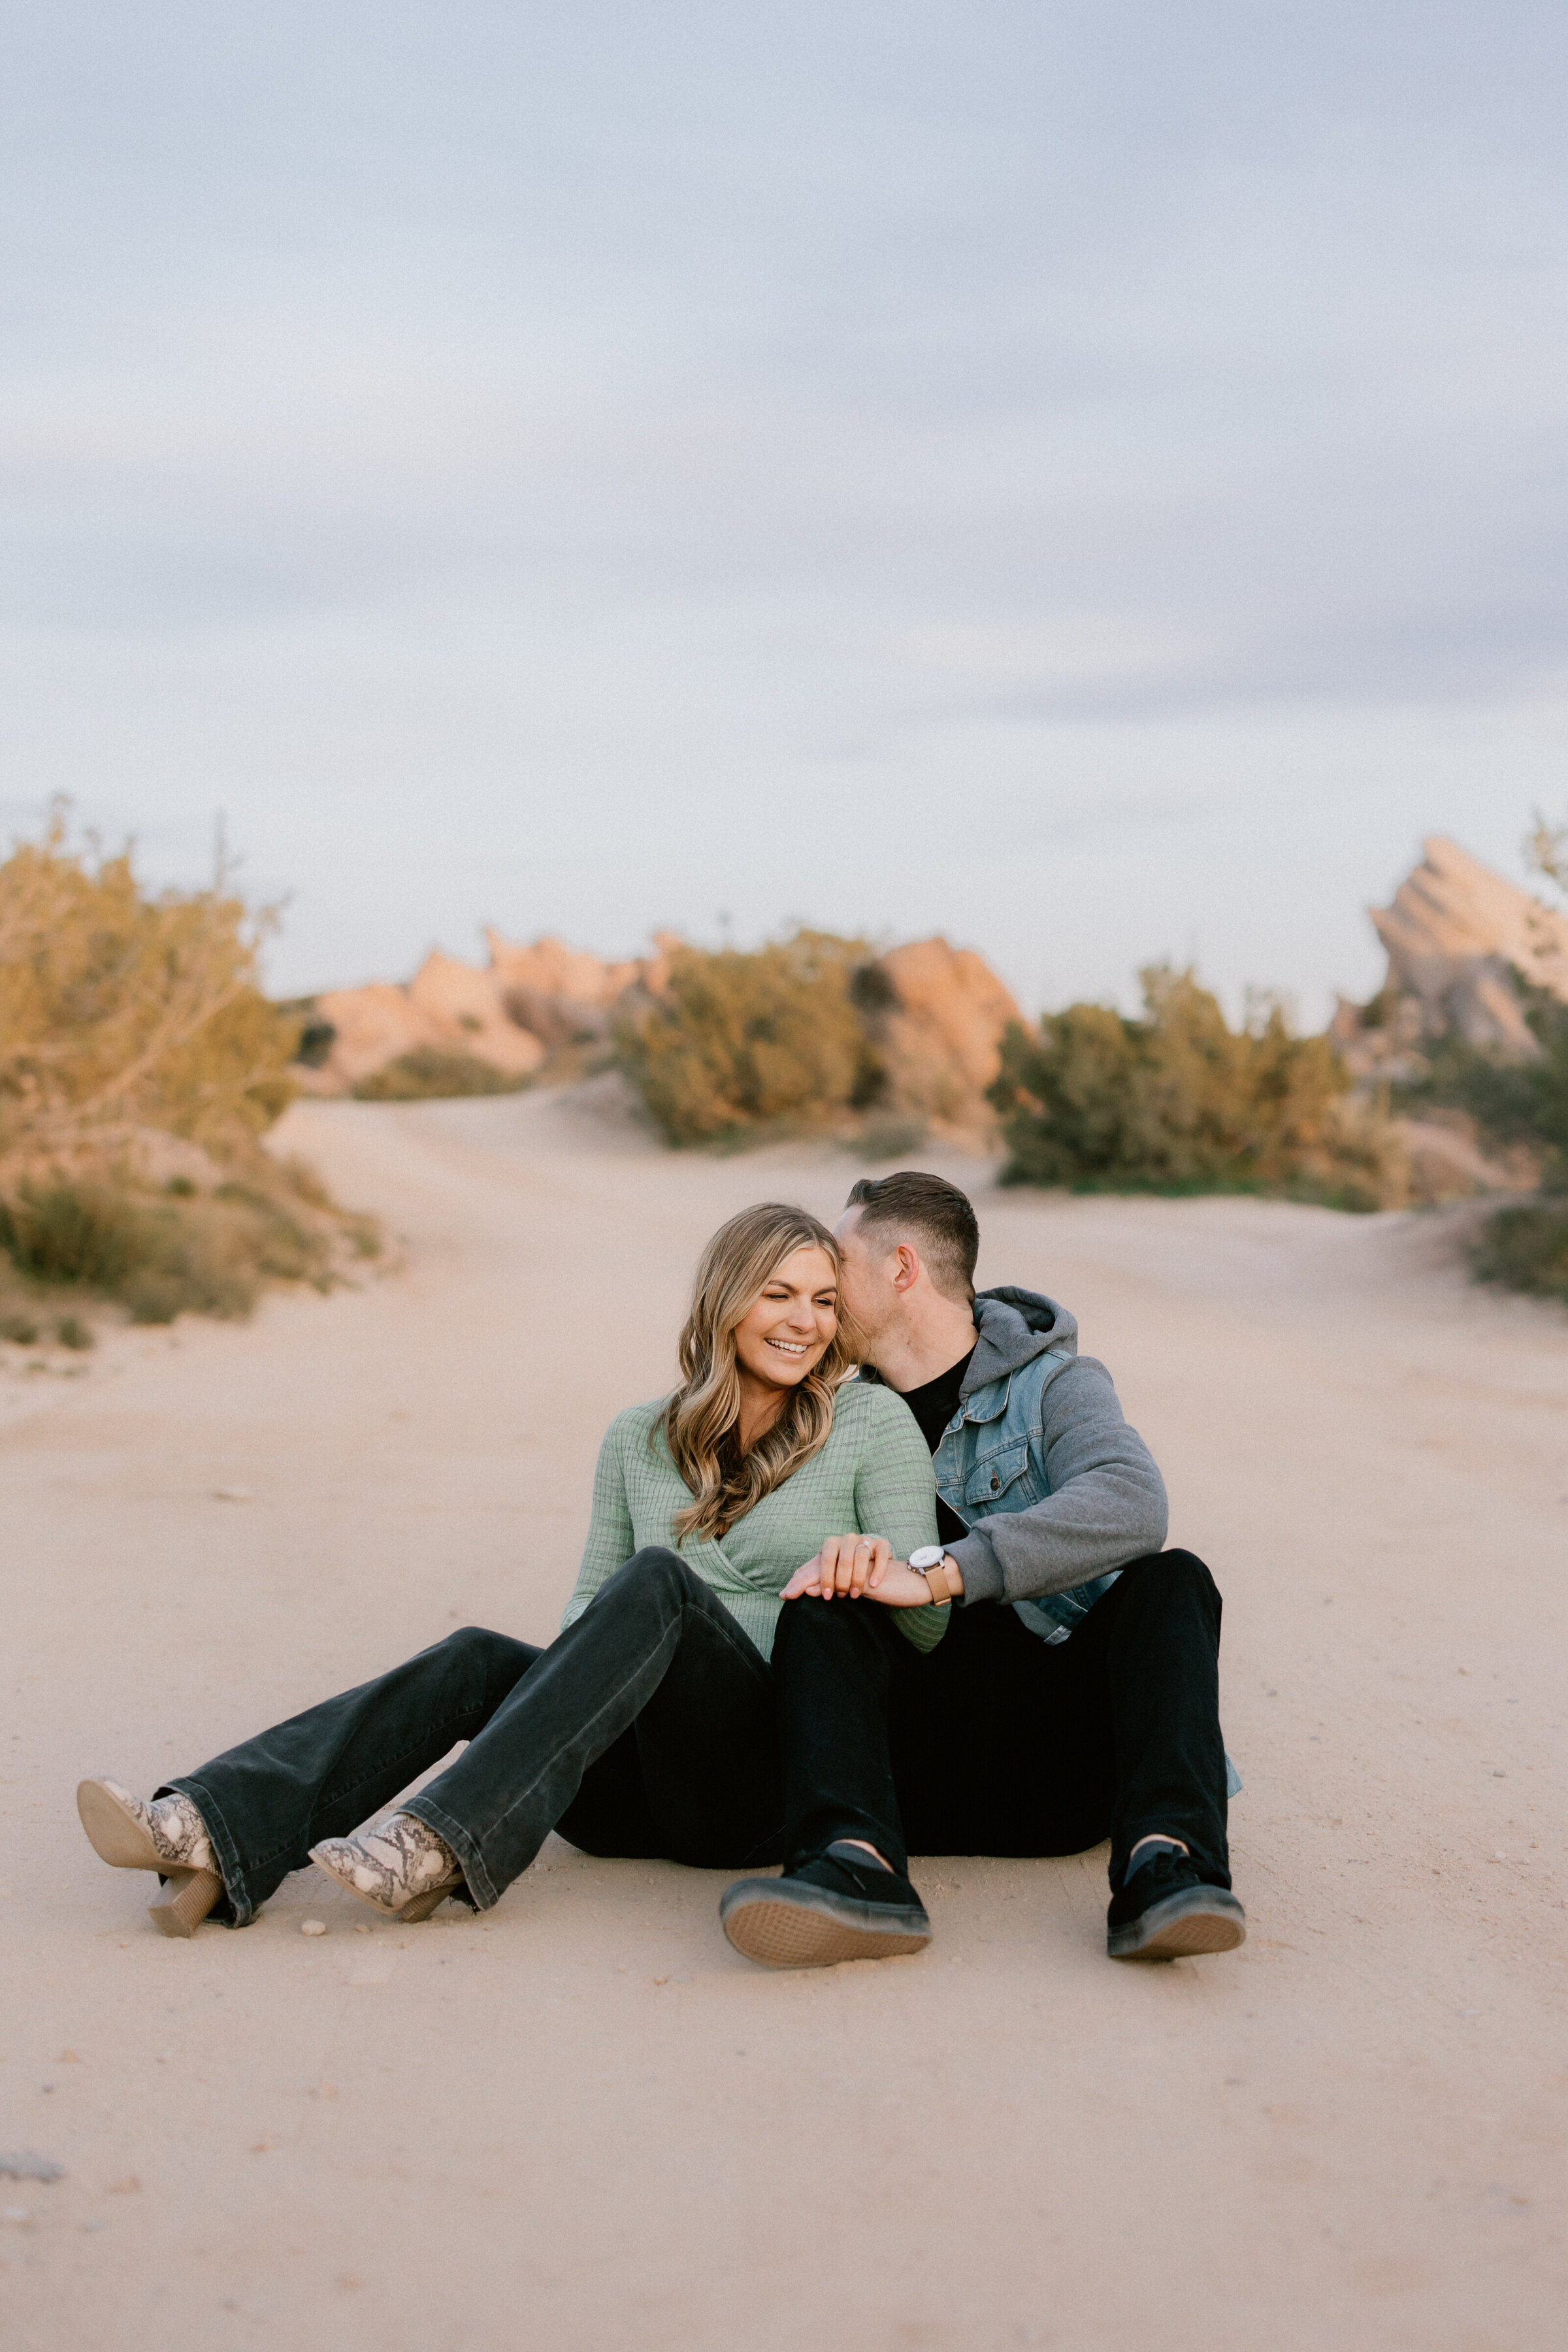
<point>995,1481</point>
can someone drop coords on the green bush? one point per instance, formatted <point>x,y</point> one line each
<point>742,1044</point>
<point>434,1072</point>
<point>1177,1101</point>
<point>1526,1248</point>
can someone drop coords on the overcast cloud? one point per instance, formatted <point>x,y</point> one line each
<point>1088,479</point>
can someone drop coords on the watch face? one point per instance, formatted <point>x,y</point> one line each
<point>927,1555</point>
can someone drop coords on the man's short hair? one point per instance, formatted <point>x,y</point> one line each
<point>930,1211</point>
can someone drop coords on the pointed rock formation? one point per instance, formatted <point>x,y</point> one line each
<point>1454,933</point>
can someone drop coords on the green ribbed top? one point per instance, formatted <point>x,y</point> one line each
<point>873,1478</point>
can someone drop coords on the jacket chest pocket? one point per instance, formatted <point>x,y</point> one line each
<point>992,1483</point>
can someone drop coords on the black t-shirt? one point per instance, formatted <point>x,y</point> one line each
<point>933,1406</point>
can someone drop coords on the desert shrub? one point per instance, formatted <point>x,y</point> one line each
<point>122,1009</point>
<point>1178,1101</point>
<point>313,1037</point>
<point>1525,1247</point>
<point>163,1256</point>
<point>1511,1101</point>
<point>22,1331</point>
<point>743,1043</point>
<point>432,1072</point>
<point>124,1013</point>
<point>72,1332</point>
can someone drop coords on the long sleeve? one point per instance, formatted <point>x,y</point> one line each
<point>610,1542</point>
<point>1107,1504</point>
<point>895,1495</point>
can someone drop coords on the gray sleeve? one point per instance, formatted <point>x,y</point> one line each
<point>1107,1504</point>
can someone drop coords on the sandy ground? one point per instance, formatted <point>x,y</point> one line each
<point>584,2122</point>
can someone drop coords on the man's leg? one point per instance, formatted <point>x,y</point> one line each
<point>844,1895</point>
<point>1000,1743</point>
<point>1161,1647</point>
<point>1170,1865</point>
<point>497,1803</point>
<point>833,1663</point>
<point>265,1803</point>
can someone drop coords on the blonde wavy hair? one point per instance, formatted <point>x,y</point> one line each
<point>700,1419</point>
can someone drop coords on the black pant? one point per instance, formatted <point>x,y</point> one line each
<point>997,1742</point>
<point>648,1727</point>
<point>654,1727</point>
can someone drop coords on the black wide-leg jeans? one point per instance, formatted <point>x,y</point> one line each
<point>997,1742</point>
<point>646,1729</point>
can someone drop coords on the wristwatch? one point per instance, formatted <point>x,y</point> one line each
<point>928,1561</point>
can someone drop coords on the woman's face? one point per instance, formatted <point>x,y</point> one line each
<point>792,1324</point>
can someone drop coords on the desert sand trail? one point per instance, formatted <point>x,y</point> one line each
<point>583,2123</point>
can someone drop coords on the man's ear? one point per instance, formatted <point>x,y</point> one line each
<point>908,1267</point>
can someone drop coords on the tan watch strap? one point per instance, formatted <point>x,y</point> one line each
<point>937,1578</point>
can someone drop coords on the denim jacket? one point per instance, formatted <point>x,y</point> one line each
<point>986,1462</point>
<point>1057,1492</point>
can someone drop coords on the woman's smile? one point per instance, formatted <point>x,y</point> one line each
<point>784,1335</point>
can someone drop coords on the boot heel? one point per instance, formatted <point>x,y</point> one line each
<point>423,1904</point>
<point>185,1902</point>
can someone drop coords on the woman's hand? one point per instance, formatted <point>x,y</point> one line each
<point>854,1566</point>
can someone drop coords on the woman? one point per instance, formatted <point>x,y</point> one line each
<point>648,1727</point>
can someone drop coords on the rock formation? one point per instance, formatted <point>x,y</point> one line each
<point>1454,933</point>
<point>937,1012</point>
<point>530,1003</point>
<point>563,995</point>
<point>939,1030</point>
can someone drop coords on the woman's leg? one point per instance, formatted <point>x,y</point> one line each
<point>320,1774</point>
<point>705,1747</point>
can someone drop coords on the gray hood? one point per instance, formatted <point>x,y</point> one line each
<point>1015,1325</point>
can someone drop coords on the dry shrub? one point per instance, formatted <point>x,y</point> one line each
<point>177,1252</point>
<point>432,1073</point>
<point>122,1009</point>
<point>124,1015</point>
<point>1515,1106</point>
<point>1179,1102</point>
<point>1526,1248</point>
<point>743,1044</point>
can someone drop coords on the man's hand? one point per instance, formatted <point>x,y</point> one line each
<point>852,1567</point>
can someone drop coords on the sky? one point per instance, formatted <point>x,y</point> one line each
<point>1088,481</point>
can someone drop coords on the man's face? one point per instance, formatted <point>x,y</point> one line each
<point>866,1275</point>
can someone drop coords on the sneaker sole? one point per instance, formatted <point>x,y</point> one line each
<point>800,1931</point>
<point>1200,1919</point>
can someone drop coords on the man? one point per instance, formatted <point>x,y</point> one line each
<point>1074,1696</point>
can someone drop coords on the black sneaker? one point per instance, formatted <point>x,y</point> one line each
<point>1165,1910</point>
<point>839,1906</point>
